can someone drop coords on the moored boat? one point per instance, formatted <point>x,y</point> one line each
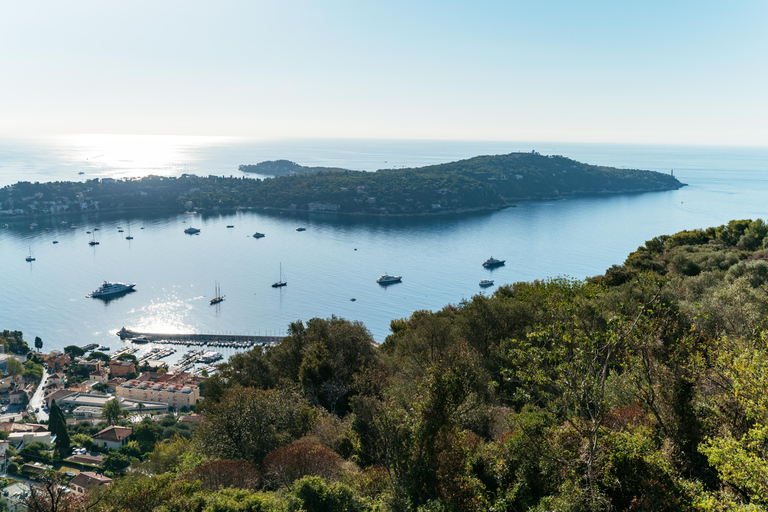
<point>493,262</point>
<point>388,279</point>
<point>108,288</point>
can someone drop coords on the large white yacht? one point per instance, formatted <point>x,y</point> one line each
<point>388,279</point>
<point>111,288</point>
<point>486,282</point>
<point>493,262</point>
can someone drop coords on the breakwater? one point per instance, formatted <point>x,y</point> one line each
<point>196,338</point>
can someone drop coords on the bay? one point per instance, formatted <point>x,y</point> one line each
<point>338,257</point>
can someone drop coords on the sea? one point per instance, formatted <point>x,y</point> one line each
<point>332,266</point>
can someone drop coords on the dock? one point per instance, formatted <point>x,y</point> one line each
<point>241,340</point>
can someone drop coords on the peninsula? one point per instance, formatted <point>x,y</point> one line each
<point>476,184</point>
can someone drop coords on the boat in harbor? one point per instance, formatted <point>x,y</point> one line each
<point>258,235</point>
<point>486,282</point>
<point>388,279</point>
<point>191,231</point>
<point>93,240</point>
<point>30,257</point>
<point>140,339</point>
<point>219,297</point>
<point>281,282</point>
<point>493,262</point>
<point>300,228</point>
<point>107,289</point>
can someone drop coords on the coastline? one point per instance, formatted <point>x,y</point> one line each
<point>511,203</point>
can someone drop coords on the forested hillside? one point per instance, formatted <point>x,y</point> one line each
<point>640,389</point>
<point>481,183</point>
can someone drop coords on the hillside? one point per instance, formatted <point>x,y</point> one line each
<point>480,183</point>
<point>640,389</point>
<point>483,182</point>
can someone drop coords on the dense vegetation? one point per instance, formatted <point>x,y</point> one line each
<point>283,168</point>
<point>485,182</point>
<point>640,389</point>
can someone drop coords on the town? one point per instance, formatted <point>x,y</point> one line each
<point>84,416</point>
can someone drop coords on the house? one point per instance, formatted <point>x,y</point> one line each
<point>93,460</point>
<point>16,496</point>
<point>86,480</point>
<point>121,368</point>
<point>113,437</point>
<point>85,412</point>
<point>17,397</point>
<point>57,395</point>
<point>175,395</point>
<point>58,378</point>
<point>99,377</point>
<point>56,360</point>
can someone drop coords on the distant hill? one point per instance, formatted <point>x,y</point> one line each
<point>482,182</point>
<point>283,168</point>
<point>476,184</point>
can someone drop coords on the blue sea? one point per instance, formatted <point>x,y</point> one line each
<point>337,258</point>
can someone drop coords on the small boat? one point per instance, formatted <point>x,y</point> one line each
<point>95,229</point>
<point>388,279</point>
<point>219,297</point>
<point>119,230</point>
<point>301,228</point>
<point>55,241</point>
<point>81,172</point>
<point>258,235</point>
<point>493,262</point>
<point>230,226</point>
<point>140,339</point>
<point>30,257</point>
<point>191,231</point>
<point>282,281</point>
<point>486,282</point>
<point>93,241</point>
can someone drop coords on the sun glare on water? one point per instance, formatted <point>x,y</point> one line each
<point>133,156</point>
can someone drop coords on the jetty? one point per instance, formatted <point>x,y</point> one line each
<point>237,340</point>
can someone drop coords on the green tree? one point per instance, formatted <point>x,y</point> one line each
<point>38,343</point>
<point>58,426</point>
<point>111,411</point>
<point>99,355</point>
<point>249,423</point>
<point>74,351</point>
<point>14,367</point>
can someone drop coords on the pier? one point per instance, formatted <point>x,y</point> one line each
<point>195,339</point>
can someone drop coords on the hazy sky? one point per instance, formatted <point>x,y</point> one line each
<point>599,71</point>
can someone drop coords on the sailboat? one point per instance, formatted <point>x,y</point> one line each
<point>93,240</point>
<point>282,281</point>
<point>219,297</point>
<point>30,257</point>
<point>129,237</point>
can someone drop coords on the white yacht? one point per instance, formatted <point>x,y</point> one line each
<point>388,279</point>
<point>493,262</point>
<point>111,288</point>
<point>486,282</point>
<point>191,231</point>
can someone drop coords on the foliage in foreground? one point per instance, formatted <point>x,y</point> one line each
<point>641,389</point>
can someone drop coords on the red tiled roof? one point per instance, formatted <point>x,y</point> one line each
<point>114,434</point>
<point>89,479</point>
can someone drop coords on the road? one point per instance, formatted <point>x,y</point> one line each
<point>36,402</point>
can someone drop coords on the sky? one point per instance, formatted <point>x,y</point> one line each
<point>659,72</point>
